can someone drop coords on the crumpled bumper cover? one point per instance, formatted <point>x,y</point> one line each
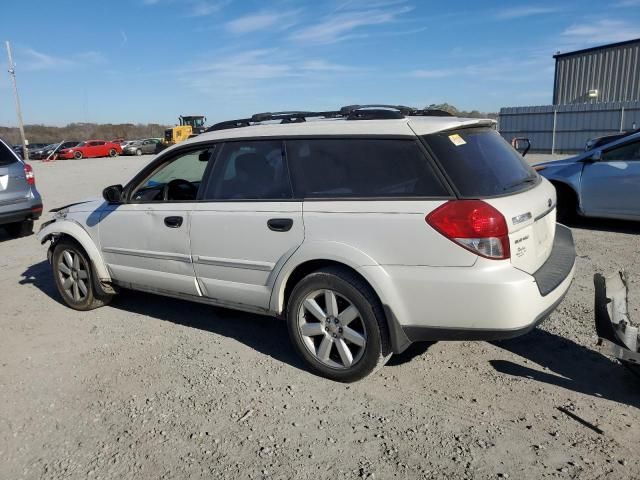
<point>613,325</point>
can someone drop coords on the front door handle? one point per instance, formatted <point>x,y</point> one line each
<point>173,222</point>
<point>280,224</point>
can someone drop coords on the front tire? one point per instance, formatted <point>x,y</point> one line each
<point>75,278</point>
<point>20,229</point>
<point>337,325</point>
<point>138,152</point>
<point>77,155</point>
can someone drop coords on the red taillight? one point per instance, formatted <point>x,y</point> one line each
<point>28,173</point>
<point>474,225</point>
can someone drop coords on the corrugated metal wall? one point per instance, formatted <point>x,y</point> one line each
<point>575,124</point>
<point>614,71</point>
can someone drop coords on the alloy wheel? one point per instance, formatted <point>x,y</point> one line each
<point>74,275</point>
<point>332,329</point>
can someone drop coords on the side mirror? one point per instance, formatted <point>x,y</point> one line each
<point>113,194</point>
<point>521,144</point>
<point>594,157</point>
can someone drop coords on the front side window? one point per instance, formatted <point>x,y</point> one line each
<point>177,180</point>
<point>630,151</point>
<point>348,167</point>
<point>249,170</point>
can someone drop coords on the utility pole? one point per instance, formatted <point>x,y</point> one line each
<point>12,74</point>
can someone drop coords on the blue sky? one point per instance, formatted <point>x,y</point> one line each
<point>151,60</point>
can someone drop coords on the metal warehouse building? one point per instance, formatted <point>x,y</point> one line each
<point>596,92</point>
<point>610,73</point>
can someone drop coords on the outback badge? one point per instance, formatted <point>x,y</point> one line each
<point>521,218</point>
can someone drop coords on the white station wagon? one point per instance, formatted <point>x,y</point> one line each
<point>366,228</point>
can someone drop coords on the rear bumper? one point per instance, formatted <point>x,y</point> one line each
<point>32,213</point>
<point>490,301</point>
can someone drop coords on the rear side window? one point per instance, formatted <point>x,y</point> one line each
<point>480,162</point>
<point>6,155</point>
<point>249,170</point>
<point>335,168</point>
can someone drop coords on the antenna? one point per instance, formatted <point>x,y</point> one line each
<point>12,74</point>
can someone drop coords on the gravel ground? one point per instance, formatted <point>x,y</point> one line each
<point>151,387</point>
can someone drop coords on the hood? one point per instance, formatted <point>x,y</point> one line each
<point>559,163</point>
<point>88,205</point>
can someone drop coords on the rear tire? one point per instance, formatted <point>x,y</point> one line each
<point>337,325</point>
<point>113,153</point>
<point>20,229</point>
<point>75,278</point>
<point>77,155</point>
<point>138,152</point>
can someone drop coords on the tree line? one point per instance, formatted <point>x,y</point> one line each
<point>462,113</point>
<point>82,131</point>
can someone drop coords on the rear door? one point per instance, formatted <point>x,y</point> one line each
<point>482,165</point>
<point>14,190</point>
<point>611,186</point>
<point>247,224</point>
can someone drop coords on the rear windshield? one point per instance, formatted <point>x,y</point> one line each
<point>480,162</point>
<point>7,157</point>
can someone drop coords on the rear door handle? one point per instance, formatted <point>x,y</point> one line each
<point>173,222</point>
<point>280,224</point>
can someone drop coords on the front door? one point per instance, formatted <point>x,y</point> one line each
<point>611,186</point>
<point>145,241</point>
<point>247,225</point>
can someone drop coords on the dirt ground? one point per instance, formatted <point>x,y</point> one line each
<point>151,387</point>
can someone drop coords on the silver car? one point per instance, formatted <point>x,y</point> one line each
<point>20,202</point>
<point>603,183</point>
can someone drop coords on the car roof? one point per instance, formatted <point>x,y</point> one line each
<point>408,126</point>
<point>621,141</point>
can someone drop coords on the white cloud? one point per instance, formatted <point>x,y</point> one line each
<point>524,11</point>
<point>627,3</point>
<point>601,31</point>
<point>250,74</point>
<point>203,8</point>
<point>33,60</point>
<point>499,70</point>
<point>341,26</point>
<point>432,73</point>
<point>262,20</point>
<point>192,8</point>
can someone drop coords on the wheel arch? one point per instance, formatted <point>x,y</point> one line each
<point>74,231</point>
<point>564,188</point>
<point>311,256</point>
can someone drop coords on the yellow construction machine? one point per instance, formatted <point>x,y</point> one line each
<point>189,126</point>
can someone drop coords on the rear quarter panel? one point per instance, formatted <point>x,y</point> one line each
<point>392,232</point>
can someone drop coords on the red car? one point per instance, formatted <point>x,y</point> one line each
<point>91,148</point>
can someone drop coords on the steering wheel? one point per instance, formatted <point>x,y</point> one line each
<point>179,189</point>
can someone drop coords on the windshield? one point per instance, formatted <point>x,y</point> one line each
<point>480,162</point>
<point>81,144</point>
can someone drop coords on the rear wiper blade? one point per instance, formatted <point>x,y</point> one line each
<point>520,182</point>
